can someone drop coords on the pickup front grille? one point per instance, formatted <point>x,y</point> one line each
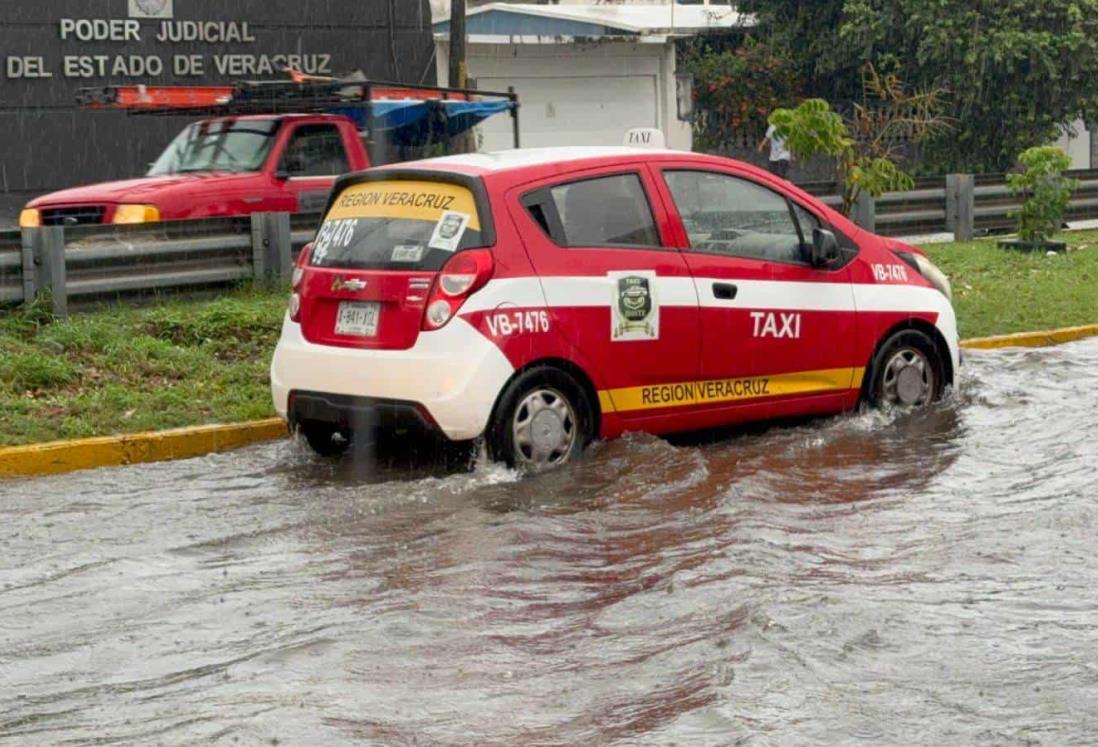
<point>77,215</point>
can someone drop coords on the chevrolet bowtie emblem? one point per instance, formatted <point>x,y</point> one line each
<point>354,284</point>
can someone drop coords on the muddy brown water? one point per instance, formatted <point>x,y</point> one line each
<point>925,579</point>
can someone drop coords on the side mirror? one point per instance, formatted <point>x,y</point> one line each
<point>282,174</point>
<point>824,249</point>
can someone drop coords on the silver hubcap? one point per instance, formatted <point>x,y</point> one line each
<point>908,379</point>
<point>544,429</point>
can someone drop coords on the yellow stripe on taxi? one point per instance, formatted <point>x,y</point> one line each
<point>716,391</point>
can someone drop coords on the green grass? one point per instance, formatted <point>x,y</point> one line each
<point>998,291</point>
<point>122,370</point>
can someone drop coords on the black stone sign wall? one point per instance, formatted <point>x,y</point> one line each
<point>50,48</point>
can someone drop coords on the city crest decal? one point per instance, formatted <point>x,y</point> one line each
<point>151,9</point>
<point>634,309</point>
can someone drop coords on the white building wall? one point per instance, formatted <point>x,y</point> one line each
<point>577,94</point>
<point>1077,146</point>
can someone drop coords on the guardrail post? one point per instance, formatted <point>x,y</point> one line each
<point>961,206</point>
<point>864,213</point>
<point>44,267</point>
<point>30,272</point>
<point>271,248</point>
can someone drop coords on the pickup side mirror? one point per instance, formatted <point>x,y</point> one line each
<point>824,249</point>
<point>281,174</point>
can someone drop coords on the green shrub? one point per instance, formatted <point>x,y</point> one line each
<point>814,129</point>
<point>735,89</point>
<point>1045,192</point>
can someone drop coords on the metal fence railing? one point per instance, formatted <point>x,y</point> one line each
<point>983,205</point>
<point>96,263</point>
<point>11,266</point>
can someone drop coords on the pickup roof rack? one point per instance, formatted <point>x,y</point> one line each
<point>405,111</point>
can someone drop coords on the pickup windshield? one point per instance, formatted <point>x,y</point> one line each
<point>218,145</point>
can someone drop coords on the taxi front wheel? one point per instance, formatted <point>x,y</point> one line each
<point>543,420</point>
<point>907,371</point>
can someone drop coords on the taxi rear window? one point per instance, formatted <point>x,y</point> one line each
<point>398,224</point>
<point>610,211</point>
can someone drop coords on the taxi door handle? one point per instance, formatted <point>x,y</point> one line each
<point>724,290</point>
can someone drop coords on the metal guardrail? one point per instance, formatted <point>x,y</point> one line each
<point>11,266</point>
<point>95,263</point>
<point>963,205</point>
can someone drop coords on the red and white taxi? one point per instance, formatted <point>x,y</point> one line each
<point>544,298</point>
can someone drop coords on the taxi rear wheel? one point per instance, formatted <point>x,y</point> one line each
<point>907,371</point>
<point>543,420</point>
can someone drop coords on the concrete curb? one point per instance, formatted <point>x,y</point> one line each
<point>111,451</point>
<point>1033,339</point>
<point>182,443</point>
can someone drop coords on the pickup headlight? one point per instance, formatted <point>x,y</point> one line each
<point>136,214</point>
<point>30,218</point>
<point>928,270</point>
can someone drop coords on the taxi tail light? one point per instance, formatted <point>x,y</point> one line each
<point>463,275</point>
<point>295,282</point>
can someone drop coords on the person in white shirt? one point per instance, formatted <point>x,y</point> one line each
<point>779,154</point>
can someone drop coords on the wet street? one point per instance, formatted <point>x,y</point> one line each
<point>925,579</point>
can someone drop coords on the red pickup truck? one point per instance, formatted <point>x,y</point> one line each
<point>258,157</point>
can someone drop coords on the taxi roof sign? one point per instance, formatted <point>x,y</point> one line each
<point>645,137</point>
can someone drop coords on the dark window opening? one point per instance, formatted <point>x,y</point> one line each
<point>315,150</point>
<point>610,211</point>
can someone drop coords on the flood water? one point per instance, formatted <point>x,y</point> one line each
<point>926,579</point>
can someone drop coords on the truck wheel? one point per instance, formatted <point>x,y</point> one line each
<point>324,438</point>
<point>543,420</point>
<point>906,372</point>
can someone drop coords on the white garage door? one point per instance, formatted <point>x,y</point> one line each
<point>576,110</point>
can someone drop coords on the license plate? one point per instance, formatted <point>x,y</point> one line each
<point>358,318</point>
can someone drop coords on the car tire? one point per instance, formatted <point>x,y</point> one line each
<point>907,371</point>
<point>543,419</point>
<point>324,438</point>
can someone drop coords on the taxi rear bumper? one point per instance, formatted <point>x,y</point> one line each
<point>359,413</point>
<point>451,376</point>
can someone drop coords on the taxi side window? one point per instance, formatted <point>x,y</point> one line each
<point>315,150</point>
<point>736,217</point>
<point>806,221</point>
<point>610,211</point>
